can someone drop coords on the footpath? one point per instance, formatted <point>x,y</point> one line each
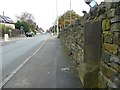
<point>49,67</point>
<point>11,40</point>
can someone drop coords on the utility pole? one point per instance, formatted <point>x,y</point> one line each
<point>6,37</point>
<point>4,23</point>
<point>70,14</point>
<point>64,20</point>
<point>57,17</point>
<point>54,27</point>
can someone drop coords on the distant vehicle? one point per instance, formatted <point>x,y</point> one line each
<point>30,34</point>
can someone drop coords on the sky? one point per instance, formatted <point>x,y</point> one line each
<point>44,11</point>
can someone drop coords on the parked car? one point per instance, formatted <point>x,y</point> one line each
<point>30,34</point>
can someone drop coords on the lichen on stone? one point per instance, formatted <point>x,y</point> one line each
<point>106,24</point>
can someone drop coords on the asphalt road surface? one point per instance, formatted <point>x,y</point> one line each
<point>48,66</point>
<point>13,54</point>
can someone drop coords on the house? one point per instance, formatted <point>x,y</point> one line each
<point>4,20</point>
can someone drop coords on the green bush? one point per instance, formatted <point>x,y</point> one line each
<point>0,27</point>
<point>5,28</point>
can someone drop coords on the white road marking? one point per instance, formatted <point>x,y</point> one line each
<point>16,70</point>
<point>65,69</point>
<point>39,48</point>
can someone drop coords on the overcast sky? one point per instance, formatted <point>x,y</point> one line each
<point>44,11</point>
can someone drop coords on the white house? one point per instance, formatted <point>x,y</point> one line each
<point>4,20</point>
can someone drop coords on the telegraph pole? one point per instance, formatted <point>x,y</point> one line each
<point>6,37</point>
<point>70,14</point>
<point>4,23</point>
<point>57,17</point>
<point>64,20</point>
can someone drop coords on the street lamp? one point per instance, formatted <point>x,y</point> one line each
<point>4,24</point>
<point>6,37</point>
<point>57,17</point>
<point>91,3</point>
<point>93,7</point>
<point>64,20</point>
<point>70,14</point>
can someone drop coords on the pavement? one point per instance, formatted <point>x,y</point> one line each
<point>10,40</point>
<point>48,67</point>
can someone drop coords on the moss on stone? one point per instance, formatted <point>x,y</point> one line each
<point>108,37</point>
<point>111,13</point>
<point>89,75</point>
<point>113,48</point>
<point>102,82</point>
<point>106,24</point>
<point>108,71</point>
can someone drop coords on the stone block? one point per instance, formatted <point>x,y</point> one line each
<point>115,59</point>
<point>102,81</point>
<point>106,24</point>
<point>110,5</point>
<point>111,85</point>
<point>108,37</point>
<point>108,71</point>
<point>117,11</point>
<point>115,19</point>
<point>116,38</point>
<point>119,81</point>
<point>111,13</point>
<point>115,27</point>
<point>101,9</point>
<point>115,66</point>
<point>102,17</point>
<point>80,55</point>
<point>116,81</point>
<point>112,48</point>
<point>105,56</point>
<point>89,75</point>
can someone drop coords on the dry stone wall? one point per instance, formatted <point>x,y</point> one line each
<point>104,71</point>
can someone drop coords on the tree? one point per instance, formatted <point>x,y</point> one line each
<point>67,18</point>
<point>24,24</point>
<point>27,21</point>
<point>25,16</point>
<point>18,24</point>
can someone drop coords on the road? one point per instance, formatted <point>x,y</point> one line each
<point>47,67</point>
<point>16,52</point>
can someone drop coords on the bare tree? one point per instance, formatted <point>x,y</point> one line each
<point>25,16</point>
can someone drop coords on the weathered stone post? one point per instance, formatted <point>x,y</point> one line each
<point>92,52</point>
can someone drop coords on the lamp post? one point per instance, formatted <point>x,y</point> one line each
<point>4,24</point>
<point>93,8</point>
<point>6,37</point>
<point>70,14</point>
<point>64,20</point>
<point>54,28</point>
<point>91,3</point>
<point>57,17</point>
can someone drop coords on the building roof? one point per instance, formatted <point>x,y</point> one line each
<point>5,19</point>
